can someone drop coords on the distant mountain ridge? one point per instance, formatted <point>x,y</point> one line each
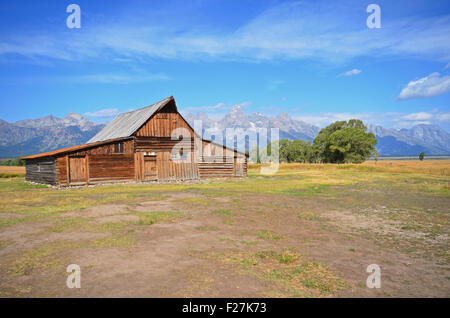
<point>236,118</point>
<point>431,139</point>
<point>72,119</point>
<point>31,136</point>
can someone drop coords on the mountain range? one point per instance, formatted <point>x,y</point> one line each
<point>236,118</point>
<point>431,139</point>
<point>30,136</point>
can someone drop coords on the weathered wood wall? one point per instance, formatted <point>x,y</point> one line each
<point>155,137</point>
<point>167,168</point>
<point>163,123</point>
<point>215,169</point>
<point>218,161</point>
<point>112,167</point>
<point>212,149</point>
<point>161,143</point>
<point>41,170</point>
<point>102,164</point>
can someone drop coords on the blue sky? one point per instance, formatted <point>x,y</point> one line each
<point>316,60</point>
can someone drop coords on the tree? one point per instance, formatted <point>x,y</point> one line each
<point>345,142</point>
<point>283,149</point>
<point>294,151</point>
<point>13,162</point>
<point>421,156</point>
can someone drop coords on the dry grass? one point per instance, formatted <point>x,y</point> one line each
<point>432,167</point>
<point>295,274</point>
<point>11,171</point>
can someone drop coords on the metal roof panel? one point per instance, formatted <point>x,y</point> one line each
<point>126,124</point>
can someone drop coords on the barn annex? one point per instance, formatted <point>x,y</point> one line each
<point>141,145</point>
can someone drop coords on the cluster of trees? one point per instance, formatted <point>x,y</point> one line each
<point>340,142</point>
<point>13,162</point>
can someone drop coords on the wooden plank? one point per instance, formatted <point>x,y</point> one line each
<point>67,169</point>
<point>87,169</point>
<point>41,170</point>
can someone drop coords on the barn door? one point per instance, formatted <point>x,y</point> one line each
<point>77,169</point>
<point>150,170</point>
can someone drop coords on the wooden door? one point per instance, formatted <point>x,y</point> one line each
<point>77,169</point>
<point>150,170</point>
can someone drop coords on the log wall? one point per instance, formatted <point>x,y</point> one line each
<point>102,164</point>
<point>42,170</point>
<point>218,161</point>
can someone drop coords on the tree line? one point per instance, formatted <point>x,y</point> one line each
<point>13,162</point>
<point>340,142</point>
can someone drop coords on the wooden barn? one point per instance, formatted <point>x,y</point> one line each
<point>141,145</point>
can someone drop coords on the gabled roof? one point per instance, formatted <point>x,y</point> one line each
<point>71,149</point>
<point>126,124</point>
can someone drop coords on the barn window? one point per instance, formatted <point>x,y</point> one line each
<point>38,167</point>
<point>118,148</point>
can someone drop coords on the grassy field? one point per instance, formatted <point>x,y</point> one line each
<point>10,172</point>
<point>310,230</point>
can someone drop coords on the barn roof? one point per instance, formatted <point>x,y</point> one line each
<point>70,149</point>
<point>126,124</point>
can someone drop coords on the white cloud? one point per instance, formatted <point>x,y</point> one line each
<point>355,71</point>
<point>326,118</point>
<point>294,30</point>
<point>418,116</point>
<point>110,78</point>
<point>447,66</point>
<point>103,113</point>
<point>218,106</point>
<point>443,117</point>
<point>388,119</point>
<point>101,78</point>
<point>431,85</point>
<point>215,108</point>
<point>274,84</point>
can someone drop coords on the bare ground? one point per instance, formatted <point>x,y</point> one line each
<point>186,244</point>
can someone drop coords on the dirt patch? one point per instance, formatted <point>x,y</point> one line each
<point>34,239</point>
<point>118,218</point>
<point>183,195</point>
<point>151,206</point>
<point>100,210</point>
<point>21,231</point>
<point>8,216</point>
